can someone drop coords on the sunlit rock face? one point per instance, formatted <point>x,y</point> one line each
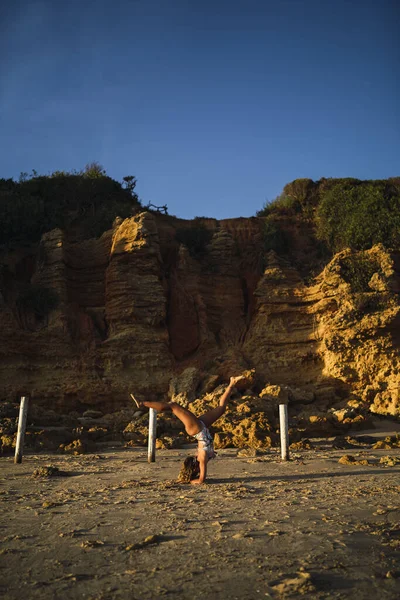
<point>139,311</point>
<point>360,333</point>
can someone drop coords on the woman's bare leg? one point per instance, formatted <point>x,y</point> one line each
<point>189,420</point>
<point>215,413</point>
<point>212,415</point>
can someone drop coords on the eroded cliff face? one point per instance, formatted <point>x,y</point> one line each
<point>360,333</point>
<point>137,312</point>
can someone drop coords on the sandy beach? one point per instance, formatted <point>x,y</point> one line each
<point>114,526</point>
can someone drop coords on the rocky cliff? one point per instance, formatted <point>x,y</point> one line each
<point>138,311</point>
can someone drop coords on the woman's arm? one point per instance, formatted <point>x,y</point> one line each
<point>202,458</point>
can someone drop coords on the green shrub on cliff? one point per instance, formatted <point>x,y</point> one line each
<point>88,199</point>
<point>303,191</point>
<point>274,237</point>
<point>344,212</point>
<point>357,270</point>
<point>281,205</point>
<point>359,214</point>
<point>299,196</point>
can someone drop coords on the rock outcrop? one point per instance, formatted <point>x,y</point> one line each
<point>140,312</point>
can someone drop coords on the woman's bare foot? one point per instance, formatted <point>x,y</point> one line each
<point>138,404</point>
<point>234,380</point>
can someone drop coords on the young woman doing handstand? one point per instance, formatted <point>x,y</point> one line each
<point>196,427</point>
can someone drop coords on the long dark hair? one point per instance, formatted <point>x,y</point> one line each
<point>189,470</point>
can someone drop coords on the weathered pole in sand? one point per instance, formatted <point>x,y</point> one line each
<point>23,413</point>
<point>152,435</point>
<point>284,430</point>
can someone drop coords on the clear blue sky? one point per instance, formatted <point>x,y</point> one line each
<point>214,105</point>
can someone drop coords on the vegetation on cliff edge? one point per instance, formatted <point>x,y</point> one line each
<point>37,203</point>
<point>345,212</point>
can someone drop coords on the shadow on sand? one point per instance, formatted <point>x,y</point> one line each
<point>305,476</point>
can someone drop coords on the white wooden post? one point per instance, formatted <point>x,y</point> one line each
<point>284,429</point>
<point>23,413</point>
<point>152,435</point>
